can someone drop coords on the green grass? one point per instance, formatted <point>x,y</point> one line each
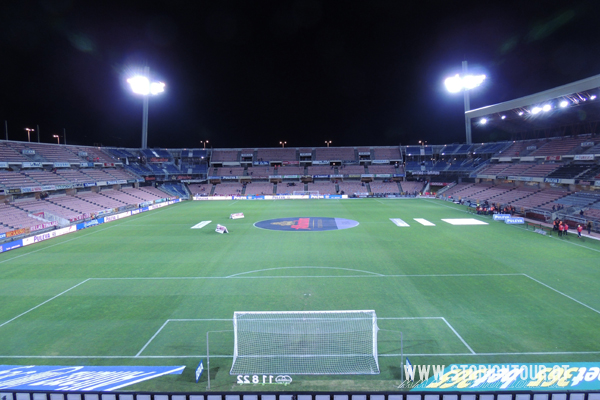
<point>499,291</point>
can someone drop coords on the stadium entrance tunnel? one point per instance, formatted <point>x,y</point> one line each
<point>310,224</point>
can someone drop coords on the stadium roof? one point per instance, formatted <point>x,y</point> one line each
<point>573,104</point>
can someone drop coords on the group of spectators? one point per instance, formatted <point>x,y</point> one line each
<point>563,228</point>
<point>489,209</point>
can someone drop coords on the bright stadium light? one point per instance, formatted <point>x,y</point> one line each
<point>483,121</point>
<point>563,104</point>
<point>593,97</point>
<point>140,84</point>
<point>546,108</point>
<point>503,117</point>
<point>456,83</point>
<point>536,110</point>
<point>520,113</point>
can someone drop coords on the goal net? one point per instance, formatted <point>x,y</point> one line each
<point>305,342</point>
<point>306,192</point>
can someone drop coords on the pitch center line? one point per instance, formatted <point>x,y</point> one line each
<point>566,295</point>
<point>460,337</point>
<point>41,304</point>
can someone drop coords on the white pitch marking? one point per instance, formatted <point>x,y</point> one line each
<point>201,225</point>
<point>460,337</point>
<point>152,338</point>
<point>566,295</point>
<point>423,221</point>
<point>464,221</point>
<point>41,304</point>
<point>271,269</point>
<point>399,222</point>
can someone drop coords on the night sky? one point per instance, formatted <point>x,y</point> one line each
<point>253,73</point>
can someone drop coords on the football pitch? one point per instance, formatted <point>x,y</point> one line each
<point>145,290</point>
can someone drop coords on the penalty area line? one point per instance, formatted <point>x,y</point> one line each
<point>566,295</point>
<point>460,337</point>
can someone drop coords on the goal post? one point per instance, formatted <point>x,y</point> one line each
<point>305,342</point>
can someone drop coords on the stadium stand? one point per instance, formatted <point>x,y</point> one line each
<point>412,187</point>
<point>335,154</point>
<point>351,169</point>
<point>260,172</point>
<point>221,155</point>
<point>323,187</point>
<point>382,169</point>
<point>380,187</point>
<point>290,170</point>
<point>228,189</point>
<point>276,154</point>
<point>557,147</point>
<point>352,187</point>
<point>203,189</point>
<point>320,170</point>
<point>258,188</point>
<point>385,153</point>
<point>228,171</point>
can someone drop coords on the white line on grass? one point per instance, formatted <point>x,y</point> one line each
<point>566,295</point>
<point>152,338</point>
<point>233,203</point>
<point>41,304</point>
<point>278,268</point>
<point>460,337</point>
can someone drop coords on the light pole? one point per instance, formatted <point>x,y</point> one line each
<point>423,142</point>
<point>282,144</point>
<point>456,84</point>
<point>29,133</point>
<point>204,142</point>
<point>328,142</point>
<point>140,84</point>
<point>57,138</point>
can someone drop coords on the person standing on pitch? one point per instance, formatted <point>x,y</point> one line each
<point>579,229</point>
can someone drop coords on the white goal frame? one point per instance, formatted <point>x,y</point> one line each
<point>305,342</point>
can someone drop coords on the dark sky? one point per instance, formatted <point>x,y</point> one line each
<point>252,73</point>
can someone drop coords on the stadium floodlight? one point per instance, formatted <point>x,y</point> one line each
<point>546,108</point>
<point>456,83</point>
<point>29,133</point>
<point>141,84</point>
<point>483,121</point>
<point>328,142</point>
<point>520,113</point>
<point>204,142</point>
<point>57,138</point>
<point>282,144</point>
<point>305,342</point>
<point>503,117</point>
<point>536,110</point>
<point>564,103</point>
<point>593,97</point>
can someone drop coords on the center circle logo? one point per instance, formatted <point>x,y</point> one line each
<point>306,224</point>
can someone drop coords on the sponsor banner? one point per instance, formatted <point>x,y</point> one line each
<point>320,176</point>
<point>14,191</point>
<point>26,190</point>
<point>101,183</point>
<point>89,184</point>
<point>61,165</point>
<point>182,177</point>
<point>399,175</point>
<point>153,159</point>
<point>364,153</point>
<point>552,180</point>
<point>237,215</point>
<point>505,159</point>
<point>136,211</point>
<point>514,220</point>
<point>333,196</point>
<point>78,217</point>
<point>150,178</point>
<point>528,158</point>
<point>82,154</point>
<point>321,162</point>
<point>354,176</point>
<point>553,158</point>
<point>11,245</point>
<point>123,215</point>
<point>569,376</point>
<point>17,232</point>
<point>86,164</point>
<point>291,163</point>
<point>291,177</point>
<point>247,154</point>
<point>28,152</point>
<point>501,217</point>
<point>46,188</point>
<point>78,378</point>
<point>425,172</point>
<point>42,226</point>
<point>531,148</point>
<point>121,181</point>
<point>230,177</point>
<point>31,165</point>
<point>305,154</point>
<point>587,144</point>
<point>77,185</point>
<point>112,182</point>
<point>260,163</point>
<point>367,175</point>
<point>306,224</point>
<point>3,164</point>
<point>583,157</point>
<point>380,162</point>
<point>383,175</point>
<point>2,235</point>
<point>131,180</point>
<point>109,164</point>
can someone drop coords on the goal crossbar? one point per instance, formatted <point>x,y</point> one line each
<point>305,342</point>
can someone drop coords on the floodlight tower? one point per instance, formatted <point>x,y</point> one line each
<point>140,84</point>
<point>455,84</point>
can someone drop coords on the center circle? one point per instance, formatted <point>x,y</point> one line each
<point>310,224</point>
